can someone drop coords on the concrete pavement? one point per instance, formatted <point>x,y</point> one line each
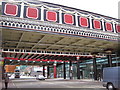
<point>31,82</point>
<point>10,84</point>
<point>56,83</point>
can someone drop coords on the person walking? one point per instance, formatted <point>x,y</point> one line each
<point>6,80</point>
<point>99,77</point>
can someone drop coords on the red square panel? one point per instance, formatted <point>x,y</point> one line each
<point>68,19</point>
<point>83,21</point>
<point>108,26</point>
<point>51,16</point>
<point>11,9</point>
<point>118,28</point>
<point>32,13</point>
<point>97,24</point>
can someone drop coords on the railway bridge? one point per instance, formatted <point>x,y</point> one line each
<point>59,37</point>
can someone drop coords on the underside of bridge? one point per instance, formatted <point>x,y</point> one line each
<point>18,39</point>
<point>25,45</point>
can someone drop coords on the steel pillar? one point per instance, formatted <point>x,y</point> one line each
<point>64,70</point>
<point>78,68</point>
<point>48,71</point>
<point>70,69</point>
<point>44,70</point>
<point>109,60</point>
<point>94,68</point>
<point>55,71</point>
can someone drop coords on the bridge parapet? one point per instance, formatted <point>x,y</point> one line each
<point>52,18</point>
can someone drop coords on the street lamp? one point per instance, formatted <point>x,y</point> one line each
<point>78,58</point>
<point>108,52</point>
<point>48,61</point>
<point>54,64</point>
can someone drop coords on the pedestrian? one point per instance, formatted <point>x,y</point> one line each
<point>6,80</point>
<point>99,77</point>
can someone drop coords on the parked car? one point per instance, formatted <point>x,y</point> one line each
<point>111,78</point>
<point>40,77</point>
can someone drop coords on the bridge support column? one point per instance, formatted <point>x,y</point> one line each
<point>70,69</point>
<point>109,60</point>
<point>109,57</point>
<point>94,68</point>
<point>44,70</point>
<point>78,68</point>
<point>48,72</point>
<point>64,70</point>
<point>55,71</point>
